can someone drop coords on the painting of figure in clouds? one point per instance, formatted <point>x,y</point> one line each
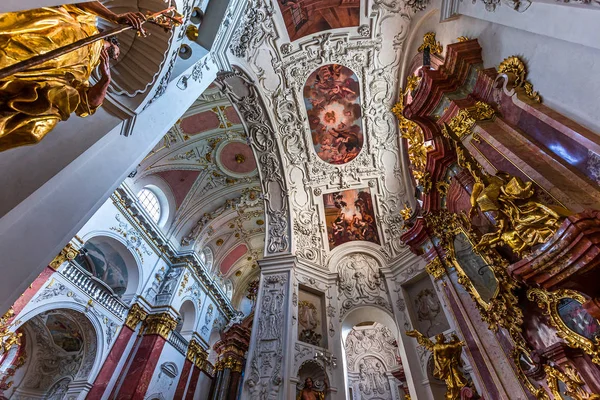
<point>350,216</point>
<point>332,99</point>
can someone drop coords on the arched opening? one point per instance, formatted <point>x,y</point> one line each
<point>369,339</point>
<point>314,371</point>
<point>111,263</point>
<point>57,352</point>
<point>186,324</point>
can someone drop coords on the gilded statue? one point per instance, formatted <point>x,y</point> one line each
<point>446,359</point>
<point>310,393</point>
<point>34,100</point>
<point>521,221</point>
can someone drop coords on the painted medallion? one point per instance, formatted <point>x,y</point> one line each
<point>332,99</point>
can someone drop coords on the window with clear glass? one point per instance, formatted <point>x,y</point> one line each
<point>150,203</point>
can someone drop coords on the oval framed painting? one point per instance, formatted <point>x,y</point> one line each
<point>332,99</point>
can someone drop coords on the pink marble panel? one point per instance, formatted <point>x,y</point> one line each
<point>232,257</point>
<point>200,122</point>
<point>180,182</point>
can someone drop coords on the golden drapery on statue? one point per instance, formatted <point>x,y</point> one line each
<point>446,359</point>
<point>33,101</point>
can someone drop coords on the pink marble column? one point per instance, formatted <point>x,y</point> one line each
<point>137,379</point>
<point>193,383</point>
<point>28,294</point>
<point>108,369</point>
<point>185,373</point>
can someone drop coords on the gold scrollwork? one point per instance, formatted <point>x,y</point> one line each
<point>461,39</point>
<point>514,66</point>
<point>159,324</point>
<point>417,147</point>
<point>136,315</point>
<point>573,383</point>
<point>8,338</point>
<point>517,352</point>
<point>66,254</point>
<point>462,123</point>
<point>406,212</point>
<point>548,301</point>
<point>429,42</point>
<point>435,268</point>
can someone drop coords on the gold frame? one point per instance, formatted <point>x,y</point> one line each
<point>540,393</point>
<point>502,309</point>
<point>572,380</point>
<point>548,301</point>
<point>463,278</point>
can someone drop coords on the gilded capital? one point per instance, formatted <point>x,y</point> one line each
<point>136,315</point>
<point>159,324</point>
<point>68,253</point>
<point>196,353</point>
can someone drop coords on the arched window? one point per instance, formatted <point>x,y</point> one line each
<point>150,203</point>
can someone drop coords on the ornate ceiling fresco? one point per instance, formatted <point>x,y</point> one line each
<point>329,97</point>
<point>211,172</point>
<point>332,100</point>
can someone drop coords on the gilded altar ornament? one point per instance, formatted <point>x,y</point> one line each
<point>522,221</point>
<point>502,309</point>
<point>136,315</point>
<point>461,39</point>
<point>406,212</point>
<point>573,384</point>
<point>446,361</point>
<point>516,71</point>
<point>436,268</point>
<point>464,121</point>
<point>549,301</point>
<point>8,338</point>
<point>417,147</point>
<point>430,42</point>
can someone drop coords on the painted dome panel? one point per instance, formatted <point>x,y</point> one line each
<point>332,99</point>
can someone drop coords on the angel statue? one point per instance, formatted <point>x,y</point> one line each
<point>446,359</point>
<point>46,58</point>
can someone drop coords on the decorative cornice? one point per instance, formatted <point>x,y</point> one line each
<point>159,324</point>
<point>68,253</point>
<point>136,315</point>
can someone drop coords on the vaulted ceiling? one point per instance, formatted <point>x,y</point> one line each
<point>210,170</point>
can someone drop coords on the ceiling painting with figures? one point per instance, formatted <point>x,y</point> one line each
<point>305,17</point>
<point>350,216</point>
<point>332,99</point>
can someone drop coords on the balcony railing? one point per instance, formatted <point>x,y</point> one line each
<point>97,290</point>
<point>178,342</point>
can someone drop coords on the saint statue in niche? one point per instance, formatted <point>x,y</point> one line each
<point>310,393</point>
<point>34,100</point>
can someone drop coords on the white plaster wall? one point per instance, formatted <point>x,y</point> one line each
<point>546,36</point>
<point>161,382</point>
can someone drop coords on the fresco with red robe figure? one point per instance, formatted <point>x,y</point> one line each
<point>332,99</point>
<point>305,17</point>
<point>350,216</point>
